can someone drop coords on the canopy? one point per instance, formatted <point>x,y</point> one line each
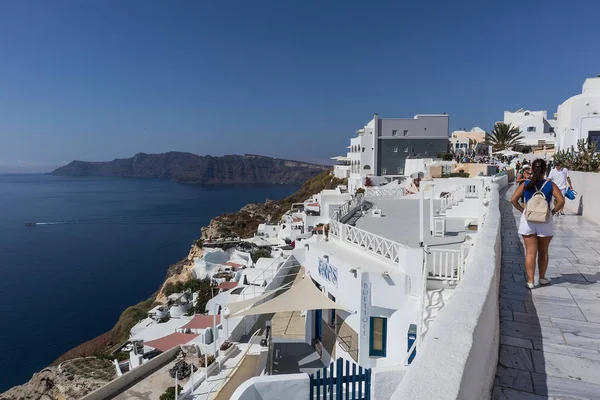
<point>202,322</point>
<point>168,342</point>
<point>240,305</point>
<point>300,297</point>
<point>507,153</point>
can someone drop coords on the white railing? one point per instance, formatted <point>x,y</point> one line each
<point>348,207</point>
<point>471,191</point>
<point>453,197</point>
<point>383,192</point>
<point>446,264</point>
<point>375,244</point>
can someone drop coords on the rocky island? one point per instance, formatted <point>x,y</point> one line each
<point>194,169</point>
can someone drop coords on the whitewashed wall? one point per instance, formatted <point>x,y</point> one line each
<point>587,185</point>
<point>458,357</point>
<point>272,387</point>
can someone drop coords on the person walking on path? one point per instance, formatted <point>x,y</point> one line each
<point>560,176</point>
<point>523,176</point>
<point>537,235</point>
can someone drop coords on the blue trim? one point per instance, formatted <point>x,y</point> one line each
<point>372,351</point>
<point>319,324</point>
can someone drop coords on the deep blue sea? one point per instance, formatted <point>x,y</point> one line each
<point>106,244</point>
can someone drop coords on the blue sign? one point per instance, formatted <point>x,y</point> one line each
<point>328,271</point>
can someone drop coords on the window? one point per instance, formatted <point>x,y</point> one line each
<point>395,149</point>
<point>527,113</point>
<point>384,171</point>
<point>594,137</point>
<point>400,171</point>
<point>531,129</point>
<point>363,149</point>
<point>406,149</point>
<point>378,337</point>
<point>395,132</point>
<point>405,133</point>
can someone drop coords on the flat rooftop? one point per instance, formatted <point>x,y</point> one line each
<point>400,222</point>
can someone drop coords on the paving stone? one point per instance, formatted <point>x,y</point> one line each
<point>561,388</point>
<point>566,366</point>
<point>503,393</point>
<point>566,350</point>
<point>532,319</point>
<point>515,357</point>
<point>517,342</point>
<point>514,378</point>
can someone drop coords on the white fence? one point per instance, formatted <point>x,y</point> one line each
<point>445,264</point>
<point>348,207</point>
<point>383,192</point>
<point>375,244</point>
<point>453,197</point>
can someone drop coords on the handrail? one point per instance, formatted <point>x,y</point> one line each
<point>235,367</point>
<point>375,244</point>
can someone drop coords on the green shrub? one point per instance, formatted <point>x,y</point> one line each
<point>164,319</point>
<point>456,175</point>
<point>199,243</point>
<point>586,159</point>
<point>260,253</point>
<point>169,394</point>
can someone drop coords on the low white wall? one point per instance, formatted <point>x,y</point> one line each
<point>274,387</point>
<point>114,387</point>
<point>385,380</point>
<point>458,357</point>
<point>587,186</point>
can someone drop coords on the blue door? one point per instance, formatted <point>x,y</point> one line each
<point>318,324</point>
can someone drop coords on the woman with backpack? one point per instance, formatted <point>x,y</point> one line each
<point>537,226</point>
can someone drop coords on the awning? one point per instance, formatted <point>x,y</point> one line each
<point>227,285</point>
<point>302,296</point>
<point>202,322</point>
<point>240,305</point>
<point>168,342</point>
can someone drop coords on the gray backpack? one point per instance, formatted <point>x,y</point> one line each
<point>537,208</point>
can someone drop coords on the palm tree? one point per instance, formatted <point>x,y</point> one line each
<point>503,136</point>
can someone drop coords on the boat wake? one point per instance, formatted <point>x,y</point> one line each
<point>46,223</point>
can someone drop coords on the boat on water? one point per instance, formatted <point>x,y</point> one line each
<point>30,224</point>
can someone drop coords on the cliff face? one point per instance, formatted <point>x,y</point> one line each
<point>245,222</point>
<point>191,168</point>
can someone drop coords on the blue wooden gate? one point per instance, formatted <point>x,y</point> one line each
<point>339,383</point>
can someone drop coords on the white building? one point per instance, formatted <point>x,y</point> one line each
<point>534,126</point>
<point>579,116</point>
<point>382,147</point>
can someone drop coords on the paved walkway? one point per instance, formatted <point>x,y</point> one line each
<point>550,336</point>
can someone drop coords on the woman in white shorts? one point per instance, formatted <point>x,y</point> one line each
<point>537,235</point>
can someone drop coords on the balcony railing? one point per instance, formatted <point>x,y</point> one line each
<point>348,207</point>
<point>445,264</point>
<point>374,244</point>
<point>382,192</point>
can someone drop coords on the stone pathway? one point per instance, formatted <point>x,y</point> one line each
<point>550,336</point>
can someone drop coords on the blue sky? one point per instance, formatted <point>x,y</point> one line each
<point>97,80</point>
